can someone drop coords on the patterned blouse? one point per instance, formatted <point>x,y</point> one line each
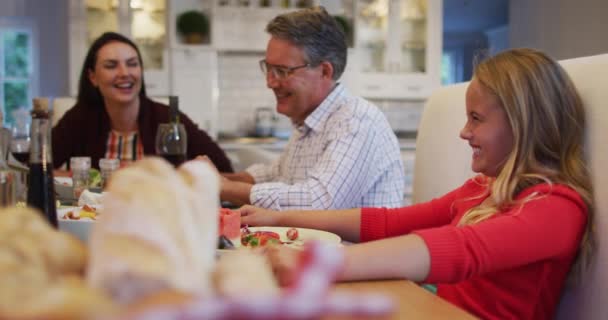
<point>124,146</point>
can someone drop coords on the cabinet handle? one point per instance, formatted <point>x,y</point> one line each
<point>372,87</point>
<point>413,88</point>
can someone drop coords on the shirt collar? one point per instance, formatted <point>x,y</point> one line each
<point>315,120</point>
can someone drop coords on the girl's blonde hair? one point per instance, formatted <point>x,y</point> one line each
<point>547,118</point>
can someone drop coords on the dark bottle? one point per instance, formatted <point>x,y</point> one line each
<point>171,139</point>
<point>40,187</point>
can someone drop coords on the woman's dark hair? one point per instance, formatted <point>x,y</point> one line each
<point>89,95</point>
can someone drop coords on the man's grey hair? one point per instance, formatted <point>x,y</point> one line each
<point>316,32</point>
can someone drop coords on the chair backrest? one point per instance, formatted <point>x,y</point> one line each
<point>443,163</point>
<point>443,160</point>
<point>590,75</point>
<point>60,106</point>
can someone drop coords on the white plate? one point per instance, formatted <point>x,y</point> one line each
<point>80,228</point>
<point>304,235</point>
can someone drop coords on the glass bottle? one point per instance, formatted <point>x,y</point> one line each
<point>171,138</point>
<point>40,187</point>
<point>8,195</point>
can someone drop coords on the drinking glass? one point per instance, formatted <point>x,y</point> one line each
<point>107,168</point>
<point>171,142</point>
<point>20,144</point>
<point>80,174</point>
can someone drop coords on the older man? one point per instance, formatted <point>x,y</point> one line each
<point>342,152</point>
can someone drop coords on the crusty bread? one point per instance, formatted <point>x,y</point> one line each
<point>40,271</point>
<point>158,230</point>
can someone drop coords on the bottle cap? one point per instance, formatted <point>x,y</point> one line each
<point>40,104</point>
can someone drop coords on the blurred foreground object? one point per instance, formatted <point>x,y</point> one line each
<point>40,271</point>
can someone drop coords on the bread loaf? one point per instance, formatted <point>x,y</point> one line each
<point>41,271</point>
<point>158,231</point>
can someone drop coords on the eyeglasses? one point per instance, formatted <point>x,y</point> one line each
<point>279,72</point>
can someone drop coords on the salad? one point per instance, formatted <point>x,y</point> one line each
<point>94,178</point>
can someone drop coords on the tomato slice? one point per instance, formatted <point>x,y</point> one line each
<point>269,234</point>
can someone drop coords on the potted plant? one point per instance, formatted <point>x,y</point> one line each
<point>193,26</point>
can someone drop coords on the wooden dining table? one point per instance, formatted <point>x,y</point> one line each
<point>410,301</point>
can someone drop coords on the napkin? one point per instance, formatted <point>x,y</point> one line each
<point>90,198</point>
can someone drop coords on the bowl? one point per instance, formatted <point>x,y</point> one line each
<point>80,228</point>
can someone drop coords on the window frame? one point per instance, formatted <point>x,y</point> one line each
<point>26,25</point>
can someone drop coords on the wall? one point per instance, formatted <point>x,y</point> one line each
<point>469,45</point>
<point>52,20</point>
<point>52,28</point>
<point>562,28</point>
<point>498,39</point>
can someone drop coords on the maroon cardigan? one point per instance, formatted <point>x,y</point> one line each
<point>83,131</point>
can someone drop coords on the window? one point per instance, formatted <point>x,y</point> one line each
<point>17,68</point>
<point>451,66</point>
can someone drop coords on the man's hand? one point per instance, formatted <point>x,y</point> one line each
<point>233,190</point>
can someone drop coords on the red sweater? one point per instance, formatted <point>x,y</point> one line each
<point>511,266</point>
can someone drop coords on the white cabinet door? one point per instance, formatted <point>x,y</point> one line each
<point>195,82</point>
<point>397,48</point>
<point>142,21</point>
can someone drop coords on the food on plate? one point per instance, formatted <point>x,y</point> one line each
<point>292,234</point>
<point>84,212</point>
<point>229,223</point>
<point>259,238</point>
<point>41,271</point>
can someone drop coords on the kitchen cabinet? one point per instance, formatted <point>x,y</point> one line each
<point>397,48</point>
<point>194,80</point>
<point>144,21</point>
<point>239,25</point>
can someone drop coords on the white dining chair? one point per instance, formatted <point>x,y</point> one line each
<point>60,106</point>
<point>443,163</point>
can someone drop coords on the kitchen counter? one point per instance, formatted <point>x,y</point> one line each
<point>270,143</point>
<point>277,145</point>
